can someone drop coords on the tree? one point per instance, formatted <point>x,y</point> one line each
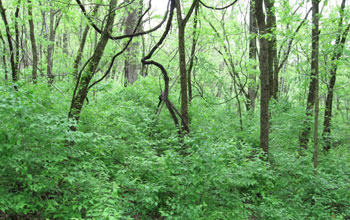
<point>131,65</point>
<point>14,67</point>
<point>195,36</point>
<point>182,62</point>
<point>265,70</point>
<point>336,55</point>
<point>314,69</point>
<point>82,86</point>
<point>4,57</point>
<point>54,20</point>
<point>79,55</point>
<point>253,51</point>
<point>33,41</point>
<point>84,77</point>
<point>272,47</point>
<point>304,138</point>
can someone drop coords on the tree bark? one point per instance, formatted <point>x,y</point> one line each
<point>304,137</point>
<point>17,43</point>
<point>314,68</point>
<point>14,68</point>
<point>265,70</point>
<point>33,42</point>
<point>131,63</point>
<point>252,56</point>
<point>4,57</point>
<point>82,84</point>
<point>272,47</point>
<point>183,71</point>
<point>337,53</point>
<point>51,46</point>
<point>193,52</point>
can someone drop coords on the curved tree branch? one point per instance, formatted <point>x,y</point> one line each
<point>216,8</point>
<point>126,35</point>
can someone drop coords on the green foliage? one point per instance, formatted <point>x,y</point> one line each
<point>127,163</point>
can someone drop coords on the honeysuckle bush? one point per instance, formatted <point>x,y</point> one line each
<point>125,162</point>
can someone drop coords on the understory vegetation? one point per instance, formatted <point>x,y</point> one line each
<point>126,162</point>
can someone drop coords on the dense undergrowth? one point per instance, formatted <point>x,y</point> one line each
<point>127,163</point>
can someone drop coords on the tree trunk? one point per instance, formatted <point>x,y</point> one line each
<point>51,46</point>
<point>131,63</point>
<point>264,77</point>
<point>82,84</point>
<point>337,53</point>
<point>183,71</point>
<point>65,43</point>
<point>273,62</point>
<point>82,46</point>
<point>304,138</point>
<point>4,57</point>
<point>314,69</point>
<point>17,43</point>
<point>252,56</point>
<point>14,68</point>
<point>33,42</point>
<point>193,52</point>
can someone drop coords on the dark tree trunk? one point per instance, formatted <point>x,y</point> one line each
<point>33,42</point>
<point>337,53</point>
<point>265,70</point>
<point>24,43</point>
<point>273,62</point>
<point>183,71</point>
<point>82,84</point>
<point>17,43</point>
<point>252,56</point>
<point>4,57</point>
<point>14,68</point>
<point>193,52</point>
<point>51,46</point>
<point>314,68</point>
<point>304,138</point>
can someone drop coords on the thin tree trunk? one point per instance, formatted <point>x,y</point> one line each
<point>33,42</point>
<point>51,46</point>
<point>252,56</point>
<point>314,68</point>
<point>12,51</point>
<point>183,71</point>
<point>193,52</point>
<point>65,39</point>
<point>304,138</point>
<point>17,43</point>
<point>337,53</point>
<point>4,57</point>
<point>77,60</point>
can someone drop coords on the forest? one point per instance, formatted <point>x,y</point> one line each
<point>175,109</point>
